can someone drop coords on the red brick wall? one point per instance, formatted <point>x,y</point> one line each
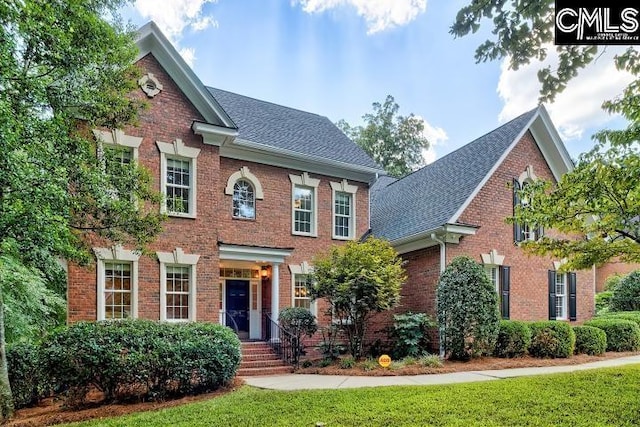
<point>610,269</point>
<point>494,202</point>
<point>169,117</point>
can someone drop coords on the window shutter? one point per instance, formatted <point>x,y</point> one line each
<point>573,313</point>
<point>539,232</point>
<point>552,295</point>
<point>505,284</point>
<point>517,228</point>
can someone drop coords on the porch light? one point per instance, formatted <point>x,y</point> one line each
<point>264,272</point>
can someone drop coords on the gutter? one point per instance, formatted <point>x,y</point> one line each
<point>443,260</point>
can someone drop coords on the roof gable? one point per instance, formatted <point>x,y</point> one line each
<point>438,193</point>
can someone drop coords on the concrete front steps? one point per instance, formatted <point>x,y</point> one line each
<point>259,359</point>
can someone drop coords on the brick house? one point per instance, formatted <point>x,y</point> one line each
<point>254,191</point>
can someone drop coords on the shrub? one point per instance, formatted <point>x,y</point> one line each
<point>430,361</point>
<point>513,339</point>
<point>603,301</point>
<point>136,359</point>
<point>29,381</point>
<point>622,335</point>
<point>467,306</point>
<point>634,316</point>
<point>369,365</point>
<point>410,334</point>
<point>626,294</point>
<point>299,322</point>
<point>347,363</point>
<point>590,340</point>
<point>551,339</point>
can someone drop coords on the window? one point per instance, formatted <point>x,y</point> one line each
<point>561,296</point>
<point>494,277</point>
<point>117,282</point>
<point>523,231</point>
<point>177,285</point>
<point>500,277</point>
<point>304,204</point>
<point>178,177</point>
<point>245,188</point>
<point>123,147</point>
<point>244,200</point>
<point>301,297</point>
<point>343,210</point>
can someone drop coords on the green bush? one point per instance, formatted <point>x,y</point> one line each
<point>513,340</point>
<point>622,335</point>
<point>626,294</point>
<point>603,301</point>
<point>299,322</point>
<point>551,339</point>
<point>590,340</point>
<point>29,381</point>
<point>410,334</point>
<point>139,359</point>
<point>430,361</point>
<point>634,316</point>
<point>467,306</point>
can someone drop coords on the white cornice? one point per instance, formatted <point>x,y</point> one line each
<point>450,233</point>
<point>253,253</point>
<point>214,135</point>
<point>151,40</point>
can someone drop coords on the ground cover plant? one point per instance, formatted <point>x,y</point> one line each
<point>585,398</point>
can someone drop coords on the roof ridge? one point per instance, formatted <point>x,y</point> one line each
<point>464,146</point>
<point>268,102</point>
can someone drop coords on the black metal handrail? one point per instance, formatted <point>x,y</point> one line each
<point>283,343</point>
<point>229,316</point>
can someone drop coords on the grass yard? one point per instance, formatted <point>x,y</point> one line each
<point>603,397</point>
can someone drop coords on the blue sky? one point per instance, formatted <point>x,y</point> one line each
<point>336,57</point>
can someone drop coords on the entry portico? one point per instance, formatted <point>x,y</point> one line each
<point>245,271</point>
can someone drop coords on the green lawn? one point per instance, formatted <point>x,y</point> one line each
<point>603,397</point>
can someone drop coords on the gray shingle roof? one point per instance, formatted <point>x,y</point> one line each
<point>286,128</point>
<point>429,197</point>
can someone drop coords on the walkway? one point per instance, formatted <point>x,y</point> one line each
<point>308,382</point>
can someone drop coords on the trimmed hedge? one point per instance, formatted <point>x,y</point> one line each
<point>140,359</point>
<point>634,316</point>
<point>622,335</point>
<point>514,338</point>
<point>590,340</point>
<point>551,339</point>
<point>29,381</point>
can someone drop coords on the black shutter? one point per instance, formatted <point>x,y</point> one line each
<point>505,285</point>
<point>552,295</point>
<point>517,229</point>
<point>573,313</point>
<point>539,232</point>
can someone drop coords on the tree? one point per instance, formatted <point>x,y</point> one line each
<point>467,306</point>
<point>64,70</point>
<point>358,279</point>
<point>394,142</point>
<point>597,205</point>
<point>626,294</point>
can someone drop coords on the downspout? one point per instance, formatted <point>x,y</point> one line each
<point>443,261</point>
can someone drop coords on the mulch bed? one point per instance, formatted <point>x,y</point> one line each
<point>51,412</point>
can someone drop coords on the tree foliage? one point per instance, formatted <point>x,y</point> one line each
<point>65,69</point>
<point>467,306</point>
<point>600,198</point>
<point>358,279</point>
<point>626,294</point>
<point>393,141</point>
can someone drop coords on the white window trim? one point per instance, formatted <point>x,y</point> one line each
<point>565,296</point>
<point>117,254</point>
<point>178,150</point>
<point>244,173</point>
<point>305,181</point>
<point>119,138</point>
<point>303,268</point>
<point>180,259</point>
<point>527,176</point>
<point>344,187</point>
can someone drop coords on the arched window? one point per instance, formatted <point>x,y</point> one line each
<point>244,200</point>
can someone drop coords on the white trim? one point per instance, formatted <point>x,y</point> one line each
<point>178,258</point>
<point>301,269</point>
<point>119,138</point>
<point>343,187</point>
<point>492,258</point>
<point>150,40</point>
<point>117,254</point>
<point>213,134</point>
<point>244,173</point>
<point>548,141</point>
<point>157,86</point>
<point>253,254</point>
<point>565,296</point>
<point>527,176</point>
<point>305,180</point>
<point>179,151</point>
<point>450,233</point>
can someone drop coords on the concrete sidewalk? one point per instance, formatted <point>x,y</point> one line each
<point>309,382</point>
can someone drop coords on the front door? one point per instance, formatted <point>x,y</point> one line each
<point>238,305</point>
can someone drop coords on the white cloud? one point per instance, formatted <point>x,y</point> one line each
<point>578,106</point>
<point>435,136</point>
<point>173,17</point>
<point>379,14</point>
<point>189,55</point>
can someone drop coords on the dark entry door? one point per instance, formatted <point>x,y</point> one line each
<point>238,303</point>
